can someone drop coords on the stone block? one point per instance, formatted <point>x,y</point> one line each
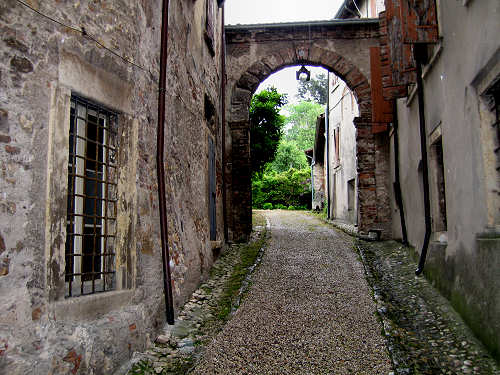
<point>248,82</point>
<point>260,70</point>
<point>4,120</point>
<point>241,96</point>
<point>21,64</point>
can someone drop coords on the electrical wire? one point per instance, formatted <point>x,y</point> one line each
<point>85,34</point>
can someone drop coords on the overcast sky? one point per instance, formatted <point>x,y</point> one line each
<point>272,11</point>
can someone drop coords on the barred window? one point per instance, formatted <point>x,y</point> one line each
<point>92,199</point>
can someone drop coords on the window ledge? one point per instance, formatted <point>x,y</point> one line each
<point>437,52</point>
<point>91,307</point>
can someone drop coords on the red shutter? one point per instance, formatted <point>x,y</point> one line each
<point>381,108</point>
<point>403,24</point>
<point>419,21</point>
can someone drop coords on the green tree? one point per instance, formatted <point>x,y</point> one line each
<point>266,126</point>
<point>288,156</point>
<point>290,188</point>
<point>301,123</point>
<point>316,89</point>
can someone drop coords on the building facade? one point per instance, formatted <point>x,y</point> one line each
<point>435,93</point>
<point>342,110</point>
<point>456,116</point>
<point>81,276</point>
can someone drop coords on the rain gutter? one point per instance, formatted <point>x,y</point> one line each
<point>325,23</point>
<point>397,183</point>
<point>223,115</point>
<point>160,168</point>
<point>425,168</point>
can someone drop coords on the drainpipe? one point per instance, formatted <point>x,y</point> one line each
<point>223,115</point>
<point>160,168</point>
<point>425,169</point>
<point>327,131</point>
<point>397,183</point>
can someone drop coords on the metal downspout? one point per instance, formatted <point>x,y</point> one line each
<point>425,168</point>
<point>223,115</point>
<point>327,131</point>
<point>160,168</point>
<point>397,183</point>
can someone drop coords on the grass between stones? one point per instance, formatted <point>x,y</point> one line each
<point>232,288</point>
<point>210,307</point>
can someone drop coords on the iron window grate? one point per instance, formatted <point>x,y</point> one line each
<point>92,199</point>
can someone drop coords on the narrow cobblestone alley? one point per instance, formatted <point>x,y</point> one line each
<point>309,310</point>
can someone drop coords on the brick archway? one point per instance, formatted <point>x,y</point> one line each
<point>255,52</point>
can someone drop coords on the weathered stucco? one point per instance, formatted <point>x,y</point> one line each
<point>463,260</point>
<point>42,64</point>
<point>343,110</point>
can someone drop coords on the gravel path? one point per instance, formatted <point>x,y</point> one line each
<point>308,311</point>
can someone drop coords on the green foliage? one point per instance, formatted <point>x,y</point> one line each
<point>301,123</point>
<point>266,126</point>
<point>288,156</point>
<point>267,206</point>
<point>315,89</point>
<point>290,188</point>
<point>280,206</point>
<point>291,208</point>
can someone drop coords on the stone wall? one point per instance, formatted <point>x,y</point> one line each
<point>42,65</point>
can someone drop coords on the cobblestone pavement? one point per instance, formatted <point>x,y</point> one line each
<point>309,309</point>
<point>424,334</point>
<point>177,349</point>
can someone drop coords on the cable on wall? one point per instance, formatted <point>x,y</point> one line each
<point>86,35</point>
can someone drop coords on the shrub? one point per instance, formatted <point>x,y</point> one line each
<point>291,208</point>
<point>280,206</point>
<point>290,188</point>
<point>267,206</point>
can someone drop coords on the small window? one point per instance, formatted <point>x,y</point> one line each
<point>437,170</point>
<point>92,199</point>
<point>351,184</point>
<point>336,137</point>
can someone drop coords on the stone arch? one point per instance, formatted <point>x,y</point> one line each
<point>248,82</point>
<point>241,88</point>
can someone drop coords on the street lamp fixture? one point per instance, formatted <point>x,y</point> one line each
<point>299,74</point>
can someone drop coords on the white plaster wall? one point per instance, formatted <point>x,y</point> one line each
<point>343,109</point>
<point>470,38</point>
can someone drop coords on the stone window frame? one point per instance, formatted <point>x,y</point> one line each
<point>92,198</point>
<point>438,183</point>
<point>79,77</point>
<point>488,78</point>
